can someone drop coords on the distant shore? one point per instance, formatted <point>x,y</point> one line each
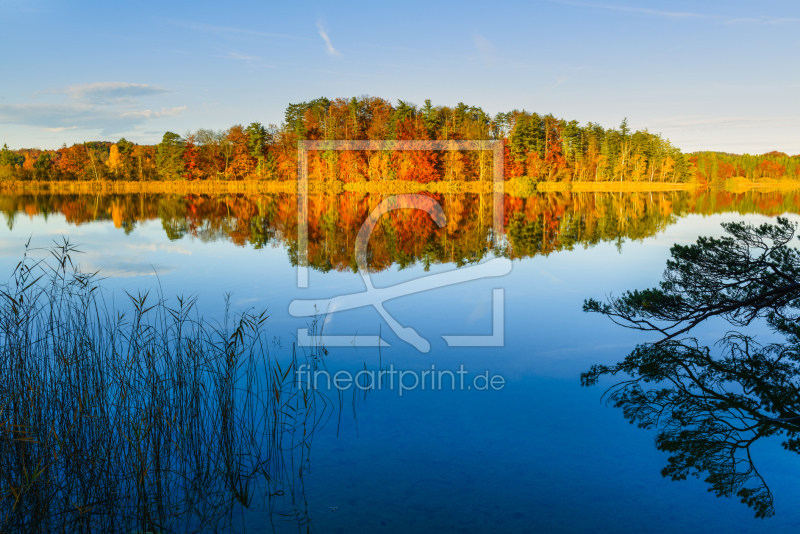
<point>514,187</point>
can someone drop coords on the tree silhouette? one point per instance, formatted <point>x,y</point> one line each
<point>709,406</point>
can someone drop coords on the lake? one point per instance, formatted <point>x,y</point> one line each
<point>525,449</point>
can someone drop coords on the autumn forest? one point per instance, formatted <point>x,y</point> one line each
<point>540,148</point>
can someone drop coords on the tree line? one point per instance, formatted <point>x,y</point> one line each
<point>538,147</point>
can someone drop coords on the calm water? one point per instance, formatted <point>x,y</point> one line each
<point>540,454</point>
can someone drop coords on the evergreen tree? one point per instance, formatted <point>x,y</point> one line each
<point>169,157</point>
<point>257,144</point>
<point>9,158</point>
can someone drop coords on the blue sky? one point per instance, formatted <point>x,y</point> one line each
<point>708,75</point>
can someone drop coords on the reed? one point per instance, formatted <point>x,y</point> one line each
<point>147,420</point>
<point>108,187</point>
<point>741,184</point>
<point>519,187</point>
<point>616,187</point>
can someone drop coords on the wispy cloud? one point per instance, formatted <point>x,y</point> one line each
<point>150,114</point>
<point>393,66</point>
<point>681,15</point>
<point>250,60</point>
<point>328,45</point>
<point>753,135</point>
<point>487,53</point>
<point>762,20</point>
<point>695,122</point>
<point>644,10</point>
<point>243,57</point>
<point>485,48</point>
<point>555,84</point>
<point>227,31</point>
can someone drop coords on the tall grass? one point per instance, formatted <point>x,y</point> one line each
<point>151,420</point>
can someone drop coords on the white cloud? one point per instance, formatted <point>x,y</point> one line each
<point>111,107</point>
<point>329,46</point>
<point>122,268</point>
<point>149,114</point>
<point>62,128</point>
<point>112,92</point>
<point>61,117</point>
<point>152,247</point>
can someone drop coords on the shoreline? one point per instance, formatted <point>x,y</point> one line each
<point>518,187</point>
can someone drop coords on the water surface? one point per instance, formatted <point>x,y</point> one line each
<point>542,453</point>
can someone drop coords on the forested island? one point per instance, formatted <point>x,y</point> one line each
<point>538,148</point>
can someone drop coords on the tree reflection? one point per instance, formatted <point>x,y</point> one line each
<point>539,224</point>
<point>709,407</point>
<point>709,411</point>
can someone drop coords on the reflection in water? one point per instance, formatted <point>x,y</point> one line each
<point>152,420</point>
<point>710,408</point>
<point>534,225</point>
